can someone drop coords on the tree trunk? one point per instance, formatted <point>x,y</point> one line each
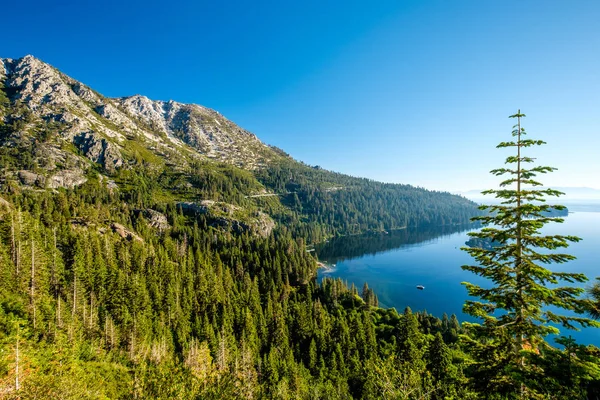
<point>518,260</point>
<point>17,384</point>
<point>32,292</point>
<point>13,243</point>
<point>58,314</point>
<point>74,295</point>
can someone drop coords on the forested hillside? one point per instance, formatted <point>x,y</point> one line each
<point>334,204</point>
<point>98,300</point>
<point>101,310</point>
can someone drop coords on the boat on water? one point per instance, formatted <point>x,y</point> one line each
<point>420,287</point>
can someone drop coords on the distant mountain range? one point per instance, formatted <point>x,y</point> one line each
<point>571,194</point>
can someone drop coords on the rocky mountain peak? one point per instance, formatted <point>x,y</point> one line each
<point>37,84</point>
<point>39,96</point>
<point>203,129</point>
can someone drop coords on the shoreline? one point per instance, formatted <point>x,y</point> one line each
<point>325,266</point>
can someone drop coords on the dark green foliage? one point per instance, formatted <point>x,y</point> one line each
<point>573,370</point>
<point>409,341</point>
<point>594,305</point>
<point>368,296</point>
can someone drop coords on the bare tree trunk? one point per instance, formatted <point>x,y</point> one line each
<point>54,281</point>
<point>132,347</point>
<point>18,261</point>
<point>32,292</point>
<point>18,255</point>
<point>72,324</point>
<point>17,384</point>
<point>58,314</point>
<point>91,322</point>
<point>13,244</point>
<point>74,295</point>
<point>53,277</point>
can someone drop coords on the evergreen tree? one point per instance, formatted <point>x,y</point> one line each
<point>445,375</point>
<point>439,357</point>
<point>409,341</point>
<point>516,309</point>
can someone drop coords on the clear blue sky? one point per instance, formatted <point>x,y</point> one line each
<point>399,91</point>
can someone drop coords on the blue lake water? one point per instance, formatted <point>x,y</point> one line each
<point>394,263</point>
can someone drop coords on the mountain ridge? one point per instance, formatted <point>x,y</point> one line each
<point>56,132</point>
<point>87,117</point>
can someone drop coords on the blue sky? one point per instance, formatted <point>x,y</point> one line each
<point>413,92</point>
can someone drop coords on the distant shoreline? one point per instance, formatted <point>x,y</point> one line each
<point>574,205</point>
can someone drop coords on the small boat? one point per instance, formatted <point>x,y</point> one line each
<point>420,287</point>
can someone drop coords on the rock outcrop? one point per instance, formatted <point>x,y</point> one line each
<point>29,178</point>
<point>61,179</point>
<point>99,150</point>
<point>231,217</point>
<point>64,128</point>
<point>156,219</point>
<point>46,100</point>
<point>124,232</point>
<point>207,131</point>
<point>66,179</point>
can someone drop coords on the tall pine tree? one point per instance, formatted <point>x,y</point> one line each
<point>518,307</point>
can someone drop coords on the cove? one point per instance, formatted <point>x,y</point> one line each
<point>394,263</point>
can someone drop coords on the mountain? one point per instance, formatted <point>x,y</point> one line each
<point>38,97</point>
<point>56,132</point>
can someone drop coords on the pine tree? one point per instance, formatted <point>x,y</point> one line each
<point>439,364</point>
<point>439,357</point>
<point>516,309</point>
<point>409,341</point>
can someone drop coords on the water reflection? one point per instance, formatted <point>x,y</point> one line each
<point>349,247</point>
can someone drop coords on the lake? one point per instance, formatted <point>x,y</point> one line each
<point>393,264</point>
